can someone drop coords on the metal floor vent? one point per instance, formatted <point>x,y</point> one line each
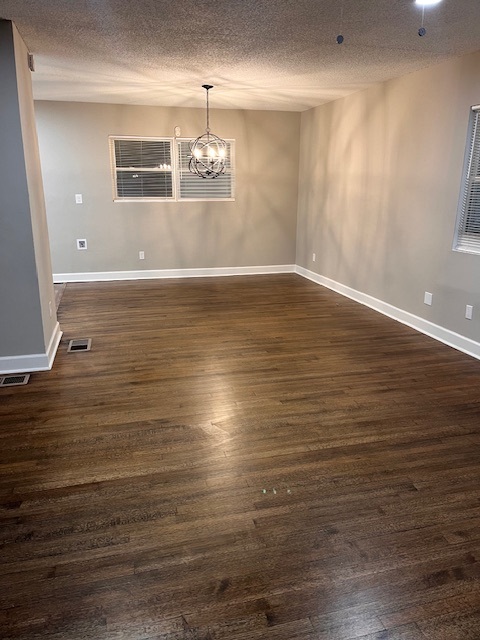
<point>81,344</point>
<point>14,381</point>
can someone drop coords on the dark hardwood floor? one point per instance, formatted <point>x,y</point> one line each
<point>245,458</point>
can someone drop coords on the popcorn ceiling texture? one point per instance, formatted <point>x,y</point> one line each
<point>259,54</point>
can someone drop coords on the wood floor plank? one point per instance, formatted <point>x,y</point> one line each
<point>251,458</point>
<point>405,632</point>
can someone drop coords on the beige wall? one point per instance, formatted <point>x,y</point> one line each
<point>257,229</point>
<point>380,174</point>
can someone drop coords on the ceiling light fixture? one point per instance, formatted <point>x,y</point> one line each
<point>425,3</point>
<point>208,151</point>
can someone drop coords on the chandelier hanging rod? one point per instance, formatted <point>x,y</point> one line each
<point>207,88</point>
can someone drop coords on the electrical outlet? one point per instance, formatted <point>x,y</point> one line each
<point>314,257</point>
<point>81,245</point>
<point>78,198</point>
<point>141,255</point>
<point>428,298</point>
<point>469,312</point>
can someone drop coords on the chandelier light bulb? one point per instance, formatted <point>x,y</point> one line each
<point>427,3</point>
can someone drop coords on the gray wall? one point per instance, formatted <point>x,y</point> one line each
<point>380,175</point>
<point>257,229</point>
<point>25,281</point>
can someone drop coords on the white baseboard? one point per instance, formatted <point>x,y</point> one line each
<point>452,339</point>
<point>172,273</point>
<point>34,361</point>
<point>448,337</point>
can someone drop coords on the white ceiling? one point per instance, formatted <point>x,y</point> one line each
<point>259,54</point>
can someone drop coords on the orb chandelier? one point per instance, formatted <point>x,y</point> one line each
<point>208,151</point>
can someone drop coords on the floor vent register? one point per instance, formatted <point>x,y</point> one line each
<point>14,380</point>
<point>81,344</point>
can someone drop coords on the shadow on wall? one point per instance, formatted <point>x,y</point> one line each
<point>374,184</point>
<point>259,227</point>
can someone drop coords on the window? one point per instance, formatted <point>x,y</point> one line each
<point>142,168</point>
<point>192,187</point>
<point>146,169</point>
<point>467,236</point>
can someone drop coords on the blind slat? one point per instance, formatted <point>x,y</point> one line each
<point>142,168</point>
<point>193,187</point>
<point>145,168</point>
<point>468,217</point>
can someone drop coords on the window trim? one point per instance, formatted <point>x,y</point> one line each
<point>464,241</point>
<point>175,170</point>
<point>231,171</point>
<point>114,168</point>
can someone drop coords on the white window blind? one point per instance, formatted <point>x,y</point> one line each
<point>467,236</point>
<point>192,187</point>
<point>142,168</point>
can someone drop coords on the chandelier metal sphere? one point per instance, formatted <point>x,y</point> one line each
<point>208,151</point>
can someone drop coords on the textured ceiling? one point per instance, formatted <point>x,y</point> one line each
<point>259,54</point>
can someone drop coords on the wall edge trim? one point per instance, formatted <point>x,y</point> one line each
<point>448,337</point>
<point>96,276</point>
<point>53,344</point>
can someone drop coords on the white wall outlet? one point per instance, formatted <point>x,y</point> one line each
<point>314,257</point>
<point>81,244</point>
<point>428,298</point>
<point>177,131</point>
<point>141,255</point>
<point>78,198</point>
<point>469,312</point>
